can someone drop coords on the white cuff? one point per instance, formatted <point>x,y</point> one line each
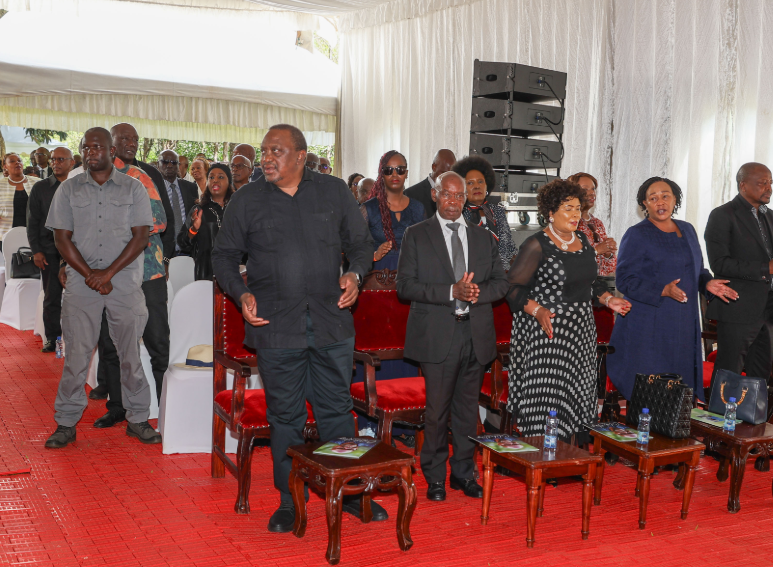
<point>452,293</point>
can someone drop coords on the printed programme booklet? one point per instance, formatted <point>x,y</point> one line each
<point>616,431</point>
<point>347,447</point>
<point>704,416</point>
<point>505,444</point>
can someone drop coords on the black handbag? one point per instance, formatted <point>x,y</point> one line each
<point>751,395</point>
<point>23,266</point>
<point>669,401</point>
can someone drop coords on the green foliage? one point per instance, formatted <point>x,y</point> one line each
<point>45,136</point>
<point>323,46</point>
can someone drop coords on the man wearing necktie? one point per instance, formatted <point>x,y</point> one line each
<point>182,194</point>
<point>739,245</point>
<point>451,272</point>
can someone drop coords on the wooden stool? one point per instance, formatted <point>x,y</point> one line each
<point>660,451</point>
<point>734,448</point>
<point>537,467</point>
<point>334,475</point>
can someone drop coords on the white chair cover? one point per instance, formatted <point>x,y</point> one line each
<point>40,330</point>
<point>181,272</point>
<point>185,416</point>
<point>169,298</point>
<point>20,298</point>
<point>2,281</point>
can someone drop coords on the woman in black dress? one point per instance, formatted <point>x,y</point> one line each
<point>197,237</point>
<point>553,343</point>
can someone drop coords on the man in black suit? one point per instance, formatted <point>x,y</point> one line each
<point>443,161</point>
<point>451,272</point>
<point>42,167</point>
<point>181,194</point>
<point>739,245</point>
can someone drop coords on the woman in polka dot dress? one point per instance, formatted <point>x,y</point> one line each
<point>553,343</point>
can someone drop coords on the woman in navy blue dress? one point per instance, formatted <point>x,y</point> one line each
<point>660,271</point>
<point>389,211</point>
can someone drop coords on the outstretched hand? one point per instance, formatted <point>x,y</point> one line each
<point>671,290</point>
<point>718,288</point>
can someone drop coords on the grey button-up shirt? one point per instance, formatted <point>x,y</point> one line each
<point>100,218</point>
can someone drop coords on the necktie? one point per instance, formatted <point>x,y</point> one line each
<point>457,259</point>
<point>178,216</point>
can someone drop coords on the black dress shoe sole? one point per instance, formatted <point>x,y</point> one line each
<point>97,396</point>
<point>47,350</point>
<point>456,486</point>
<point>59,445</point>
<point>104,422</point>
<point>437,496</point>
<point>353,508</point>
<point>282,527</point>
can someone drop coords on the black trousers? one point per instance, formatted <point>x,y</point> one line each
<point>746,346</point>
<point>52,298</point>
<point>452,388</point>
<point>155,337</point>
<point>290,376</point>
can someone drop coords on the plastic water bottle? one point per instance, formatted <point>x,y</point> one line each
<point>59,347</point>
<point>643,437</point>
<point>551,432</point>
<point>729,424</point>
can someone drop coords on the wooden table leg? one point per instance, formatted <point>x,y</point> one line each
<point>689,481</point>
<point>406,492</point>
<point>488,485</point>
<point>541,499</point>
<point>299,501</point>
<point>597,449</point>
<point>587,494</point>
<point>333,501</point>
<point>723,469</point>
<point>533,482</point>
<point>644,492</point>
<point>680,476</point>
<point>737,470</point>
<point>366,514</point>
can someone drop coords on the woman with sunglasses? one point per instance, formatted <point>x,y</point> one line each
<point>593,228</point>
<point>389,212</point>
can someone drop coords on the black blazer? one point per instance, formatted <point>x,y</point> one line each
<point>40,238</point>
<point>737,253</point>
<point>425,276</point>
<point>422,192</point>
<point>168,236</point>
<point>190,193</point>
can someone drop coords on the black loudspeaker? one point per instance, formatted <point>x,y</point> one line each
<point>528,84</point>
<point>518,182</point>
<point>522,118</point>
<point>503,151</point>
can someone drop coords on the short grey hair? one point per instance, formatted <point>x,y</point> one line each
<point>447,175</point>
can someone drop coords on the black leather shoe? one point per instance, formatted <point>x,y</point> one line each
<point>351,505</point>
<point>110,419</point>
<point>62,437</point>
<point>283,520</point>
<point>468,486</point>
<point>48,346</point>
<point>98,393</point>
<point>436,491</point>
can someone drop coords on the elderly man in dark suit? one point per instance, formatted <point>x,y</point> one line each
<point>443,161</point>
<point>739,245</point>
<point>451,272</point>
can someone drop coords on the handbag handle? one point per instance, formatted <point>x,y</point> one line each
<point>722,394</point>
<point>671,381</point>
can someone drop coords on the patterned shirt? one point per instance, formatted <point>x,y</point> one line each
<point>607,266</point>
<point>154,253</point>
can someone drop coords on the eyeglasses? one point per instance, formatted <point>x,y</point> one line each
<point>169,161</point>
<point>324,167</point>
<point>312,165</point>
<point>446,196</point>
<point>60,159</point>
<point>235,166</point>
<point>400,169</point>
<point>88,149</point>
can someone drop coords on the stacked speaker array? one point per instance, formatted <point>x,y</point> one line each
<point>516,131</point>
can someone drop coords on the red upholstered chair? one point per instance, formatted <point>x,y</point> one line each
<point>380,319</point>
<point>605,322</point>
<point>493,392</point>
<point>238,409</point>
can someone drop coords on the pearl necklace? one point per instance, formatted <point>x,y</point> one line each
<point>23,180</point>
<point>564,243</point>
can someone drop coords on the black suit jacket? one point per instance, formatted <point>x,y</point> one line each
<point>425,276</point>
<point>190,193</point>
<point>168,236</point>
<point>737,253</point>
<point>422,192</point>
<point>40,238</point>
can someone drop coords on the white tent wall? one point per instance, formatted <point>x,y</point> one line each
<point>685,83</point>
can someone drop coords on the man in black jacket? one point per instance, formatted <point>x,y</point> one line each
<point>41,240</point>
<point>739,245</point>
<point>451,272</point>
<point>180,193</point>
<point>294,224</point>
<point>443,161</point>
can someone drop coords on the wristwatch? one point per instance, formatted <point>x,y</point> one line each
<point>359,278</point>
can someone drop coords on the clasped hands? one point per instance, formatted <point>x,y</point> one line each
<point>99,280</point>
<point>465,290</point>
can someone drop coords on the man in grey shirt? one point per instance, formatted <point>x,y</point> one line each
<point>101,220</point>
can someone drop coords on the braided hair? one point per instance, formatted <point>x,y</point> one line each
<point>379,192</point>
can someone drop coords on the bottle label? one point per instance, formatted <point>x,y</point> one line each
<point>550,442</point>
<point>643,437</point>
<point>729,425</point>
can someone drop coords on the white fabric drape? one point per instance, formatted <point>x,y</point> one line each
<point>675,88</point>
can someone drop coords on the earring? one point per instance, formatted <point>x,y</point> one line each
<point>551,219</point>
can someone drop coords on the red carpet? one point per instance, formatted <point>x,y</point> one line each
<point>109,500</point>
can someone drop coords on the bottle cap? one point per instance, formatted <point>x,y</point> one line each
<point>645,410</point>
<point>552,413</point>
<point>59,337</point>
<point>732,400</point>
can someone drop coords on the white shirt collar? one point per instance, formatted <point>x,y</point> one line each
<point>444,222</point>
<point>170,183</point>
<point>431,181</point>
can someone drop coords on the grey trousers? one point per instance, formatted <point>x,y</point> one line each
<point>81,323</point>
